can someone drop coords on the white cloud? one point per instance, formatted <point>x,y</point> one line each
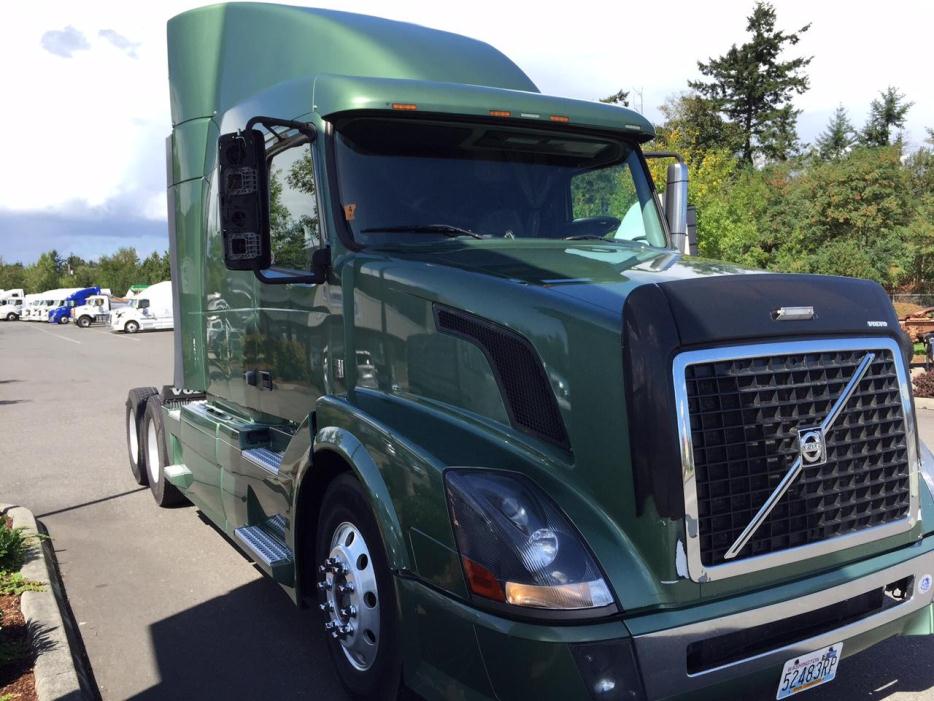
<point>88,132</point>
<point>64,42</point>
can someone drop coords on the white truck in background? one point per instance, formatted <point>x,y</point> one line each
<point>47,301</point>
<point>97,309</point>
<point>11,304</point>
<point>29,301</point>
<point>151,310</point>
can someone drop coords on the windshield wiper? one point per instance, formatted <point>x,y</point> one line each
<point>443,229</point>
<point>586,237</point>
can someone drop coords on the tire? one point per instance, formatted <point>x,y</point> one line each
<point>135,408</point>
<point>64,320</point>
<point>345,506</point>
<point>131,326</point>
<point>154,446</point>
<point>83,322</point>
<point>11,317</point>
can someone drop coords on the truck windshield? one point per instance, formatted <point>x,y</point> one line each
<point>405,181</point>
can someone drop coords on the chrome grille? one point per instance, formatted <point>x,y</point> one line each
<point>743,415</point>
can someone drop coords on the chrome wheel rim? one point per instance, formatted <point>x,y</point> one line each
<point>132,436</point>
<point>351,596</point>
<point>152,452</point>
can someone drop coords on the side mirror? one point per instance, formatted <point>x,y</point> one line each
<point>676,202</point>
<point>244,204</point>
<point>676,205</point>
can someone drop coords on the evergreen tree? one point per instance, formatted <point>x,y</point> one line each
<point>698,124</point>
<point>753,88</point>
<point>618,98</point>
<point>885,113</point>
<point>835,141</point>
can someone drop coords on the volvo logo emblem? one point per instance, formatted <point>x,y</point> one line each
<point>812,445</point>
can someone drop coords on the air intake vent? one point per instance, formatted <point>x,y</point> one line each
<point>519,373</point>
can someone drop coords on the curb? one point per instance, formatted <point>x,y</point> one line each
<point>57,677</point>
<point>924,403</point>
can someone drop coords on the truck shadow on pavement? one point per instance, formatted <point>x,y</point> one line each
<point>251,643</point>
<point>907,670</point>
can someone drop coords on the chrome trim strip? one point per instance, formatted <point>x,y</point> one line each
<point>699,572</point>
<point>798,465</point>
<point>667,649</point>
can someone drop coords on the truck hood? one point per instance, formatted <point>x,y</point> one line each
<point>606,321</point>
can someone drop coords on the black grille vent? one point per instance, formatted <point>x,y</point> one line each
<point>528,397</point>
<point>744,419</point>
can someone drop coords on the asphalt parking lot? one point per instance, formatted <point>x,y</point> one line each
<point>167,609</point>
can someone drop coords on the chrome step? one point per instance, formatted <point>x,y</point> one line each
<point>267,459</point>
<point>265,543</point>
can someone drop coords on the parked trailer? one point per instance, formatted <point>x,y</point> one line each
<point>465,393</point>
<point>151,309</point>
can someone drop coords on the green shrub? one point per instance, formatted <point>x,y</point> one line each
<point>13,546</point>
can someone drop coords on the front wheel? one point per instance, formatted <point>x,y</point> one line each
<point>11,317</point>
<point>83,322</point>
<point>131,326</point>
<point>356,594</point>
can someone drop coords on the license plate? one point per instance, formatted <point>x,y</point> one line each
<point>809,670</point>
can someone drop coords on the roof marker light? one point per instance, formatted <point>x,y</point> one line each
<point>500,113</point>
<point>404,106</point>
<point>559,118</point>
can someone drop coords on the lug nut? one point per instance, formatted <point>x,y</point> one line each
<point>345,588</point>
<point>345,631</point>
<point>324,586</point>
<point>330,625</point>
<point>349,612</point>
<point>327,607</point>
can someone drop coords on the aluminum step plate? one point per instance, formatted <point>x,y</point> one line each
<point>266,542</point>
<point>267,459</point>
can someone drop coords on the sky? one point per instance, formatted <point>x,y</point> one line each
<point>87,108</point>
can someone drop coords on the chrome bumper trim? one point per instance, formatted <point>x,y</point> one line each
<point>667,674</point>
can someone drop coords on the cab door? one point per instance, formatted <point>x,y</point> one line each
<point>291,321</point>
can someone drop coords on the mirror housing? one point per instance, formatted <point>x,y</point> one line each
<point>244,202</point>
<point>692,230</point>
<point>676,203</point>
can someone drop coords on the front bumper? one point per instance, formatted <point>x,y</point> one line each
<point>455,651</point>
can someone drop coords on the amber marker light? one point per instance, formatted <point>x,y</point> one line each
<point>559,118</point>
<point>500,113</point>
<point>404,106</point>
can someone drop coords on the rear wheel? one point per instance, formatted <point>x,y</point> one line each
<point>83,321</point>
<point>356,594</point>
<point>153,445</point>
<point>135,408</point>
<point>131,326</point>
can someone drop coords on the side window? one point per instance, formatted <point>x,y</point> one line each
<point>620,192</point>
<point>294,227</point>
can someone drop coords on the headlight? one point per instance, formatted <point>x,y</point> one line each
<point>517,547</point>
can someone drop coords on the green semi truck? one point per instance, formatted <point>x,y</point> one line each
<point>444,371</point>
